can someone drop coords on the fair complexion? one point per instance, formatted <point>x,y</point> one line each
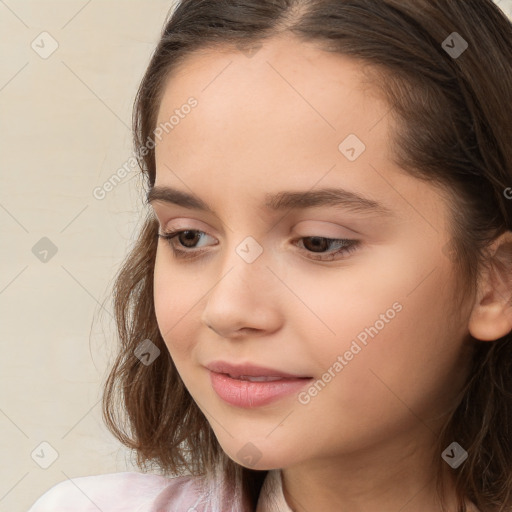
<point>271,123</point>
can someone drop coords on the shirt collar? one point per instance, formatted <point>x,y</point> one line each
<point>271,497</point>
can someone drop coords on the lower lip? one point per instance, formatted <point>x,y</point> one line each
<point>243,393</point>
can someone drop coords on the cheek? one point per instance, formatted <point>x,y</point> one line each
<point>416,363</point>
<point>174,305</point>
<point>392,325</point>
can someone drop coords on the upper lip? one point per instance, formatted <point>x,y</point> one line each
<point>249,369</point>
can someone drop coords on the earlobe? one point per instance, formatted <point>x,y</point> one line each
<point>490,322</point>
<point>491,317</point>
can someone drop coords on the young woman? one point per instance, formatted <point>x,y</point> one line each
<point>317,313</point>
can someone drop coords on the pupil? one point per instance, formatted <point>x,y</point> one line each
<point>317,242</point>
<point>189,235</point>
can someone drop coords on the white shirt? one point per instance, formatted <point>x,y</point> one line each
<point>271,496</point>
<point>142,492</point>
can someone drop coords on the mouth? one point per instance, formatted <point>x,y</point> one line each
<point>251,391</point>
<point>263,378</point>
<point>252,372</point>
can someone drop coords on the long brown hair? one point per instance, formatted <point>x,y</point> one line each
<point>453,117</point>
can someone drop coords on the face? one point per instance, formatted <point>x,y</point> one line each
<point>371,322</point>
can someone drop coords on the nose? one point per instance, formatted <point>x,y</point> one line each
<point>246,299</point>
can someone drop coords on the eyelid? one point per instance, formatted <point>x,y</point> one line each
<point>327,229</point>
<point>184,223</point>
<point>166,213</point>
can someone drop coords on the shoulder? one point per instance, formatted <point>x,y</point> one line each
<point>117,492</point>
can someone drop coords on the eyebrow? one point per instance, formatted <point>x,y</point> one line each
<point>334,197</point>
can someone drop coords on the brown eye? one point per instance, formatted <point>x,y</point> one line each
<point>320,246</point>
<point>316,243</point>
<point>188,237</point>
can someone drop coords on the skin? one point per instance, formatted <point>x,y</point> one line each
<point>273,122</point>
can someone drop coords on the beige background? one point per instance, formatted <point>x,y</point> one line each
<point>65,130</point>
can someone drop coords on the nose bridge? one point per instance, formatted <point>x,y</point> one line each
<point>245,265</point>
<point>243,295</point>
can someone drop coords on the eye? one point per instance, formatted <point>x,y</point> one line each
<point>320,243</point>
<point>187,239</point>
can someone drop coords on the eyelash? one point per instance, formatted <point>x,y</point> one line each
<point>348,245</point>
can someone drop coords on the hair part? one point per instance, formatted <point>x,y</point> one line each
<point>453,121</point>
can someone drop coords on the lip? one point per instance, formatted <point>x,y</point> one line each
<point>248,395</point>
<point>250,370</point>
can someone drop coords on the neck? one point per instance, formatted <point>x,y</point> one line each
<point>401,478</point>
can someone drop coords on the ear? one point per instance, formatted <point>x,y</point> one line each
<point>491,317</point>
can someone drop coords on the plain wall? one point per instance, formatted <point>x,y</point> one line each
<point>65,130</point>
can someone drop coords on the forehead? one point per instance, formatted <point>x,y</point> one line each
<point>284,76</point>
<point>288,103</point>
